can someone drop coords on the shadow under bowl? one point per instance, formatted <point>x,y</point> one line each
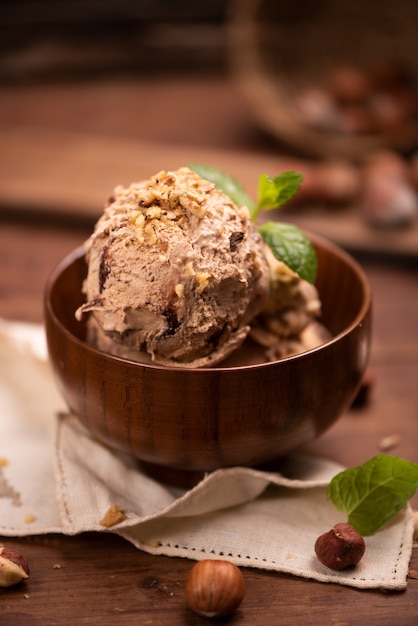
<point>197,420</point>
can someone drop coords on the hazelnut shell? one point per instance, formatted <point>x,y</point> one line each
<point>13,567</point>
<point>341,547</point>
<point>214,588</point>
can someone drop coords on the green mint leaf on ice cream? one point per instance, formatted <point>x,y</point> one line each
<point>372,493</point>
<point>274,192</point>
<point>287,242</point>
<point>290,245</point>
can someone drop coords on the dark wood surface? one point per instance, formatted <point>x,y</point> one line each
<point>101,579</point>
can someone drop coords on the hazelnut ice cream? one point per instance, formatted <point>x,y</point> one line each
<point>178,275</point>
<point>288,323</point>
<point>176,272</point>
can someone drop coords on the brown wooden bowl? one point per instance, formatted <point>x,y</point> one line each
<point>203,419</point>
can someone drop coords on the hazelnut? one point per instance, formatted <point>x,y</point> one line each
<point>341,547</point>
<point>13,567</point>
<point>214,588</point>
<point>389,199</point>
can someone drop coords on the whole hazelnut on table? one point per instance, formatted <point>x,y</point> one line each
<point>341,547</point>
<point>13,567</point>
<point>214,588</point>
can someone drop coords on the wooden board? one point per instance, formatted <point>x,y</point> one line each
<point>69,174</point>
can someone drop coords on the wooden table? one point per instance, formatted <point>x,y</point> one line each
<point>100,579</point>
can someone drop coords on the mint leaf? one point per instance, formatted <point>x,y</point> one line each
<point>273,192</point>
<point>225,183</point>
<point>374,492</point>
<point>290,245</point>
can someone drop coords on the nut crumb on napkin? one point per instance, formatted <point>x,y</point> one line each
<point>114,515</point>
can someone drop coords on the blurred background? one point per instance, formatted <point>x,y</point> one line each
<point>110,91</point>
<point>54,39</point>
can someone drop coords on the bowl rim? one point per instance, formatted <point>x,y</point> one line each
<point>79,252</point>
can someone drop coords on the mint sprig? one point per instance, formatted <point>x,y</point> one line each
<point>274,192</point>
<point>292,246</point>
<point>287,242</point>
<point>372,493</point>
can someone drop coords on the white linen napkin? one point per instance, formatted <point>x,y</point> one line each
<point>55,477</point>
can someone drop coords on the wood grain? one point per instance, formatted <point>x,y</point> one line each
<point>101,579</point>
<point>63,173</point>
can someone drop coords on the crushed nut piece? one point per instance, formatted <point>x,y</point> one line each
<point>387,443</point>
<point>413,573</point>
<point>29,518</point>
<point>179,289</point>
<point>162,200</point>
<point>203,279</point>
<point>416,525</point>
<point>3,461</point>
<point>114,515</point>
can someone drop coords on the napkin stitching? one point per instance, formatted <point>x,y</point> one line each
<point>175,549</point>
<point>219,553</point>
<point>171,547</point>
<point>407,538</point>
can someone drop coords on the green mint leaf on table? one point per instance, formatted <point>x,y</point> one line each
<point>225,183</point>
<point>286,241</point>
<point>290,245</point>
<point>374,492</point>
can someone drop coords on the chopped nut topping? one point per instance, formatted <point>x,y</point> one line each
<point>162,200</point>
<point>179,289</point>
<point>190,269</point>
<point>192,202</point>
<point>203,279</point>
<point>154,212</point>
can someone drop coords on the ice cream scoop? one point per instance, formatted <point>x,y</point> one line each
<point>288,323</point>
<point>176,272</point>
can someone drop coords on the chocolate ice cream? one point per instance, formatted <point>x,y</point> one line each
<point>176,272</point>
<point>178,275</point>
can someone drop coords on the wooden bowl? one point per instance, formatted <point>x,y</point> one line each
<point>203,419</point>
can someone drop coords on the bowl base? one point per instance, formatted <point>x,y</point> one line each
<point>174,477</point>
